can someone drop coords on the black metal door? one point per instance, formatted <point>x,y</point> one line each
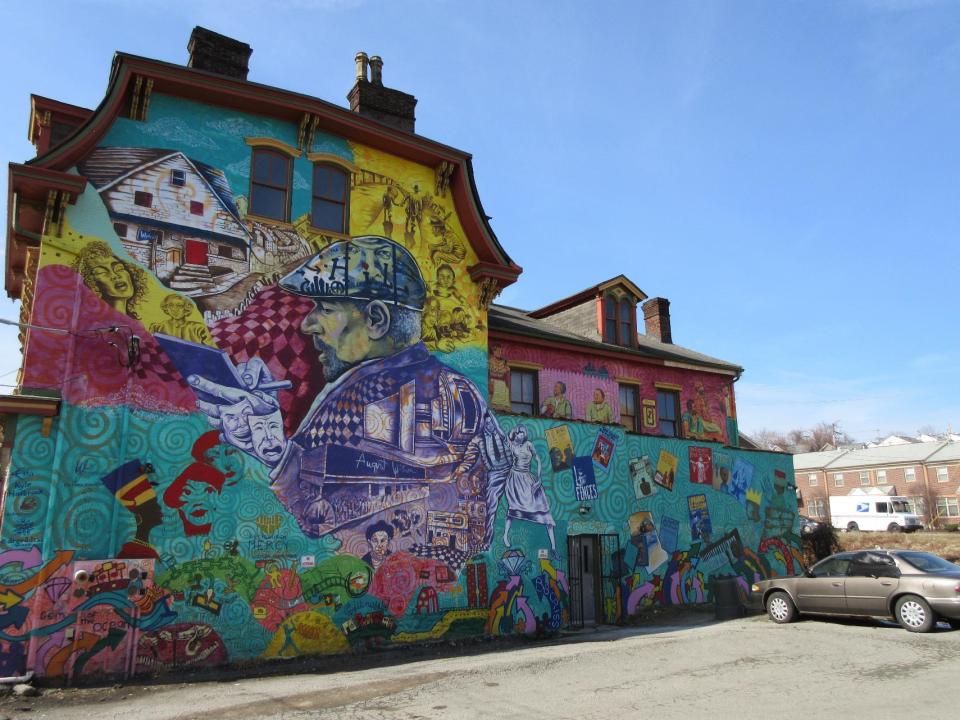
<point>575,577</point>
<point>611,568</point>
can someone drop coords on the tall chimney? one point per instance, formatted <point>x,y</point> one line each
<point>219,54</point>
<point>656,319</point>
<point>362,63</point>
<point>371,99</point>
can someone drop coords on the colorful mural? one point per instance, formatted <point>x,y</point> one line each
<point>276,439</point>
<point>581,387</point>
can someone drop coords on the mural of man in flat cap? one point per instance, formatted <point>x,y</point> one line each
<point>392,422</point>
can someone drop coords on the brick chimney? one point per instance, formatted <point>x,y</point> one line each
<point>371,99</point>
<point>656,319</point>
<point>219,54</point>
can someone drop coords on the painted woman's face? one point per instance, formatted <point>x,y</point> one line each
<point>112,277</point>
<point>198,498</point>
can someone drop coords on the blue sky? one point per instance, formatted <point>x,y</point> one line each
<point>786,173</point>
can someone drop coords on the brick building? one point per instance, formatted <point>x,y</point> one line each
<point>266,406</point>
<point>927,473</point>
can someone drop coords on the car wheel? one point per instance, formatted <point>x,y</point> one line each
<point>914,614</point>
<point>780,608</point>
<point>894,528</point>
<point>852,527</point>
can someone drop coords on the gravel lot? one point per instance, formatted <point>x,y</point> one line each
<point>677,667</point>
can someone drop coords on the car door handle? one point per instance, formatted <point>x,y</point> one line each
<point>886,584</point>
<point>837,584</point>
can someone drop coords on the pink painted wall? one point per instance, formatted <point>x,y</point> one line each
<point>706,399</point>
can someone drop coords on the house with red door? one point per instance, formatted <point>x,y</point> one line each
<point>175,215</point>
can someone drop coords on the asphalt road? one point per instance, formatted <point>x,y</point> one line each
<point>690,668</point>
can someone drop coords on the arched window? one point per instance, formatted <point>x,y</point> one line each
<point>270,185</point>
<point>329,209</point>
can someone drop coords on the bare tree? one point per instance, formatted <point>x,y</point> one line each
<point>770,439</point>
<point>801,440</point>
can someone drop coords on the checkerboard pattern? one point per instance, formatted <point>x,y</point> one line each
<point>154,363</point>
<point>340,421</point>
<point>269,328</point>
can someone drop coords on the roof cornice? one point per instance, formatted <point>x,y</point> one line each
<point>590,293</point>
<point>623,354</point>
<point>242,95</point>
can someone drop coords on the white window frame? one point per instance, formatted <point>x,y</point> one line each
<point>948,503</point>
<point>838,479</point>
<point>943,474</point>
<point>813,480</point>
<point>881,477</point>
<point>864,477</point>
<point>910,474</point>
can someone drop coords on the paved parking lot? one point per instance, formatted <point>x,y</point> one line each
<point>690,668</point>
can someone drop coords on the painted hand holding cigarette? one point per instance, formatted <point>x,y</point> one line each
<point>248,418</point>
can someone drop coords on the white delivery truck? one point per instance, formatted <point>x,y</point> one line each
<point>889,513</point>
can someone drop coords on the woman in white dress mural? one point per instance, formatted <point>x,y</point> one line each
<point>526,499</point>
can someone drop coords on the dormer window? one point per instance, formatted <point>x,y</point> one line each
<point>619,320</point>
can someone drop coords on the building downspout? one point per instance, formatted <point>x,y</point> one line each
<point>17,679</point>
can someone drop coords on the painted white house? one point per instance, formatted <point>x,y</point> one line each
<point>175,215</point>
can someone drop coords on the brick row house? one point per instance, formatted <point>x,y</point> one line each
<point>267,406</point>
<point>928,473</point>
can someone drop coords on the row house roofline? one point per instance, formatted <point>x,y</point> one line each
<point>907,454</point>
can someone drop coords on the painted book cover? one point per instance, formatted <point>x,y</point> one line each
<point>701,465</point>
<point>584,479</point>
<point>669,533</point>
<point>666,470</point>
<point>603,448</point>
<point>722,470</point>
<point>643,536</point>
<point>740,480</point>
<point>560,448</point>
<point>641,475</point>
<point>700,526</point>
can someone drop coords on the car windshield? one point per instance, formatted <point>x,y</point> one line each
<point>900,506</point>
<point>928,562</point>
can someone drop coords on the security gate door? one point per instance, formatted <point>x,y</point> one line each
<point>583,556</point>
<point>594,577</point>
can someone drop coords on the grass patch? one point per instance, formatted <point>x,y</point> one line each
<point>944,544</point>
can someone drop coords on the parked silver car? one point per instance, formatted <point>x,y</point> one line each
<point>915,588</point>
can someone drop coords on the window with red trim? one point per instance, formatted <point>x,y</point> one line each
<point>196,207</point>
<point>143,199</point>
